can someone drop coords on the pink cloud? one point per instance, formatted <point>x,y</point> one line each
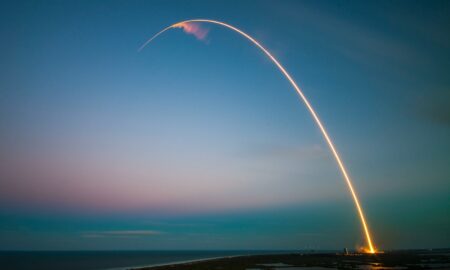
<point>194,29</point>
<point>133,233</point>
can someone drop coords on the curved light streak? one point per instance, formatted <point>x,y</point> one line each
<point>371,248</point>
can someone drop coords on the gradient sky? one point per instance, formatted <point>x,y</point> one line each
<point>202,144</point>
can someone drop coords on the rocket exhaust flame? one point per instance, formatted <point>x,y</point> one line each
<point>195,31</point>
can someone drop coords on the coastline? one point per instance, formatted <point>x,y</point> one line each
<point>175,263</point>
<point>204,260</point>
<point>115,259</point>
<point>417,259</point>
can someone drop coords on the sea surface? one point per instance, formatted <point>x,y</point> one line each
<point>102,260</point>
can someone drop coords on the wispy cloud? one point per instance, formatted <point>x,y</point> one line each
<point>286,151</point>
<point>125,233</point>
<point>434,107</point>
<point>175,224</point>
<point>363,44</point>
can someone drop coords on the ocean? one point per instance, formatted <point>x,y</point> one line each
<point>106,260</point>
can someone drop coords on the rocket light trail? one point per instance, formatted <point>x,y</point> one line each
<point>200,34</point>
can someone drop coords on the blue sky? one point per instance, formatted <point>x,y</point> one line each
<point>202,144</point>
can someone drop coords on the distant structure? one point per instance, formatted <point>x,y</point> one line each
<point>345,251</point>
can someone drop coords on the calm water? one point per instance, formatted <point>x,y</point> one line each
<point>98,260</point>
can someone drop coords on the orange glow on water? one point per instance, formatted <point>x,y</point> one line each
<point>195,30</point>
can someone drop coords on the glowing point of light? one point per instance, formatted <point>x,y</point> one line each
<point>185,26</point>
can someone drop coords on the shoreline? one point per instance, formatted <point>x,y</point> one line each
<point>204,260</point>
<point>175,263</point>
<point>326,260</point>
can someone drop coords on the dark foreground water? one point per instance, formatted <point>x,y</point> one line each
<point>99,260</point>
